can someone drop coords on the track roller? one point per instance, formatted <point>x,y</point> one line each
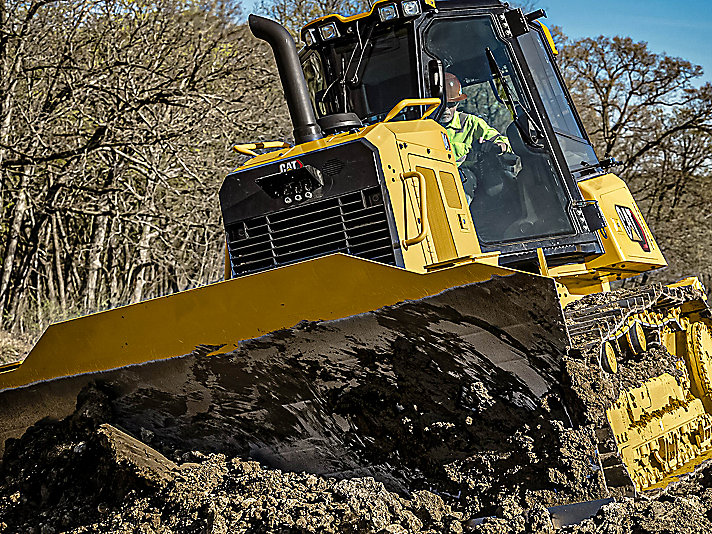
<point>635,338</point>
<point>609,359</point>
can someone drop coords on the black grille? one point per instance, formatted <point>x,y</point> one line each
<point>354,223</point>
<point>333,167</point>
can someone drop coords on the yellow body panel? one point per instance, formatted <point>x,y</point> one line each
<point>403,147</point>
<point>215,318</point>
<point>623,256</point>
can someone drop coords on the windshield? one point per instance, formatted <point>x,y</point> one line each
<point>367,76</point>
<point>577,150</point>
<point>514,191</point>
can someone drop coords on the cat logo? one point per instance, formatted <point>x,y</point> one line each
<point>290,166</point>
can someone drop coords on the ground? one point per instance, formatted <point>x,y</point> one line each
<point>429,431</point>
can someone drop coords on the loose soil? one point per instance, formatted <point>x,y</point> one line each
<point>453,451</point>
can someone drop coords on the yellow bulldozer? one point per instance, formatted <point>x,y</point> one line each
<point>373,230</point>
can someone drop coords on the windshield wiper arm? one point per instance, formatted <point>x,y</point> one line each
<point>353,76</point>
<point>497,75</point>
<point>530,132</point>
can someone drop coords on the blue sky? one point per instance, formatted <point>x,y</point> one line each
<point>682,29</point>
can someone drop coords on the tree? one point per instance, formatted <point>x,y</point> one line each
<point>116,130</point>
<point>646,110</point>
<point>294,14</point>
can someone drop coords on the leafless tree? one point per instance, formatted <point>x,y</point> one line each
<point>117,123</point>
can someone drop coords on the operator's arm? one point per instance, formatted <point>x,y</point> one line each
<point>486,132</point>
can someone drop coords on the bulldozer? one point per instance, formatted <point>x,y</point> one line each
<point>370,232</point>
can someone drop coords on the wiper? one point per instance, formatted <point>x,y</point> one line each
<point>498,77</point>
<point>530,132</point>
<point>585,168</point>
<point>349,76</point>
<point>353,76</point>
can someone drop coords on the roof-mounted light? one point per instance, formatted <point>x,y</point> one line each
<point>411,8</point>
<point>328,31</point>
<point>387,12</point>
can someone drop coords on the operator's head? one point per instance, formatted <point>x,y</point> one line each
<point>454,95</point>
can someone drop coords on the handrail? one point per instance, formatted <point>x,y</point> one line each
<point>432,104</point>
<point>423,209</point>
<point>248,149</point>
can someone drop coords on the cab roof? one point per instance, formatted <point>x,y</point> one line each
<point>432,4</point>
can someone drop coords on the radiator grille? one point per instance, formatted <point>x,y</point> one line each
<point>354,223</point>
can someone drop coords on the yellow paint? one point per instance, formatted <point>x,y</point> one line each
<point>432,104</point>
<point>249,148</point>
<point>664,428</point>
<point>659,429</point>
<point>623,257</point>
<point>227,312</point>
<point>549,39</point>
<point>541,258</point>
<point>423,219</point>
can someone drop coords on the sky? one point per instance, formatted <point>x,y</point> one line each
<point>682,29</point>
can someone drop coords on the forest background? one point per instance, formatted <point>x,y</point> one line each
<point>117,120</point>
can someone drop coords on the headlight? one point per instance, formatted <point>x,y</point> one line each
<point>387,12</point>
<point>329,31</point>
<point>411,8</point>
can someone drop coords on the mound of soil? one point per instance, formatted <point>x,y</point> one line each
<point>84,475</point>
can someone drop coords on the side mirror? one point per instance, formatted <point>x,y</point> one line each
<point>436,78</point>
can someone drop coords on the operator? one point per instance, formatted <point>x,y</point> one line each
<point>465,130</point>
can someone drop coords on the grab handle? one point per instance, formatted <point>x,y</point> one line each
<point>432,104</point>
<point>423,209</point>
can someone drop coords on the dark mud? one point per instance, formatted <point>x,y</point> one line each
<point>81,475</point>
<point>410,424</point>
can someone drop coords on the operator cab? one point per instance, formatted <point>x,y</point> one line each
<point>357,69</point>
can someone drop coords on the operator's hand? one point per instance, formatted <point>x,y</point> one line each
<point>499,147</point>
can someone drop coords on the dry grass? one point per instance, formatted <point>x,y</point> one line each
<point>13,347</point>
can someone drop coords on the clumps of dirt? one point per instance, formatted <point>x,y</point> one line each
<point>548,465</point>
<point>684,507</point>
<point>214,494</point>
<point>81,475</point>
<point>57,465</point>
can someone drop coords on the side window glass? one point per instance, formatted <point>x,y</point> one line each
<point>571,139</point>
<point>314,76</point>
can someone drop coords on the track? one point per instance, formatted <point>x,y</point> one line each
<point>650,407</point>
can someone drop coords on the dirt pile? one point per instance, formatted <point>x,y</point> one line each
<point>441,415</point>
<point>84,475</point>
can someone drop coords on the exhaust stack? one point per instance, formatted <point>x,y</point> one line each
<point>290,73</point>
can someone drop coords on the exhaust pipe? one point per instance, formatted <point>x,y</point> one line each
<point>290,73</point>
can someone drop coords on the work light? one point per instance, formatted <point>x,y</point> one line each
<point>411,8</point>
<point>387,12</point>
<point>329,31</point>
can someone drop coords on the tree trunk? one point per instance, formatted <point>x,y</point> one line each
<point>13,239</point>
<point>61,287</point>
<point>98,243</point>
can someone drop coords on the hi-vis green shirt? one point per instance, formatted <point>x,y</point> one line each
<point>464,130</point>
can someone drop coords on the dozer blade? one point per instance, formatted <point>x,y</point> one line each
<point>474,360</point>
